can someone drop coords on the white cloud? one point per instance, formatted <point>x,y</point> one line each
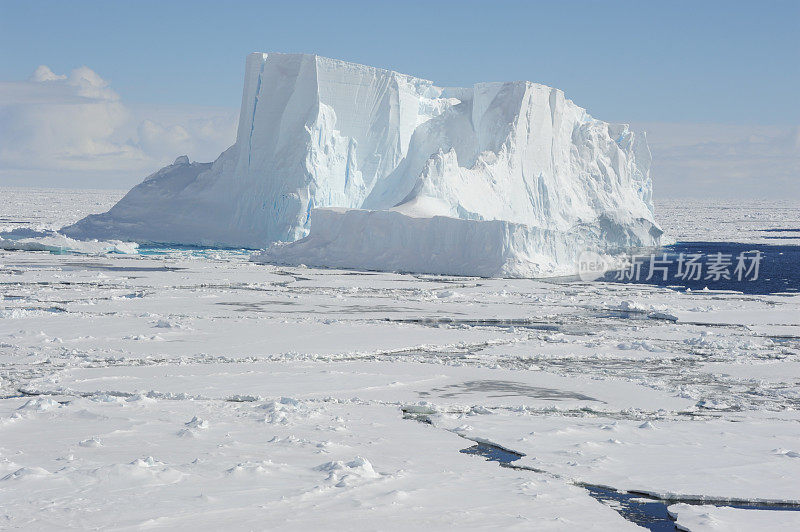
<point>43,73</point>
<point>74,130</point>
<point>724,161</point>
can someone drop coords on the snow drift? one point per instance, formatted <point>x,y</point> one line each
<point>507,179</point>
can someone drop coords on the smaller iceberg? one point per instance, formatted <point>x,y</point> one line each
<point>54,242</point>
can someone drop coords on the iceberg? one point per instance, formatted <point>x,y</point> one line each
<point>22,239</point>
<point>343,165</point>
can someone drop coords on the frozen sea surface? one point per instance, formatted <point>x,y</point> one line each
<point>649,512</point>
<point>51,208</point>
<point>746,221</point>
<point>193,388</point>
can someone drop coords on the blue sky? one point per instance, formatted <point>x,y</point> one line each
<point>709,62</point>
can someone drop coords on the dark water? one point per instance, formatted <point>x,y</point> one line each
<point>646,512</point>
<point>492,453</point>
<point>650,514</point>
<point>778,268</point>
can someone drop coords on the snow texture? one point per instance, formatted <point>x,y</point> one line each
<point>703,518</point>
<point>514,170</point>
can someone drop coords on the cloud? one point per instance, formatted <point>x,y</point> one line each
<point>74,130</point>
<point>724,160</point>
<point>43,73</point>
<point>168,133</point>
<point>66,122</point>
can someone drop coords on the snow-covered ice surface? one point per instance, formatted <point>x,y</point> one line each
<point>711,518</point>
<point>514,173</point>
<point>30,219</point>
<point>182,387</point>
<point>749,221</point>
<point>48,209</point>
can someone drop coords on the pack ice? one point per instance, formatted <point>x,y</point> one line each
<point>343,165</point>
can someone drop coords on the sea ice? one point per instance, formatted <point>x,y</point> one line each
<point>280,370</point>
<point>703,518</point>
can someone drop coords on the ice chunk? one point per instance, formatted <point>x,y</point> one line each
<point>26,240</point>
<point>197,423</point>
<point>343,474</point>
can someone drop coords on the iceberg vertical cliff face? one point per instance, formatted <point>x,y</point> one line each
<point>317,133</point>
<point>312,132</point>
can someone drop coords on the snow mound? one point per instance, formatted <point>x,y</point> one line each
<point>40,404</point>
<point>508,179</point>
<point>26,472</point>
<point>342,474</point>
<point>251,468</point>
<point>92,442</point>
<point>197,423</point>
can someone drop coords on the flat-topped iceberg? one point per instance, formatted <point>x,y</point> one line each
<point>345,165</point>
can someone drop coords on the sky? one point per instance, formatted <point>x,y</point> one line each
<point>128,86</point>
